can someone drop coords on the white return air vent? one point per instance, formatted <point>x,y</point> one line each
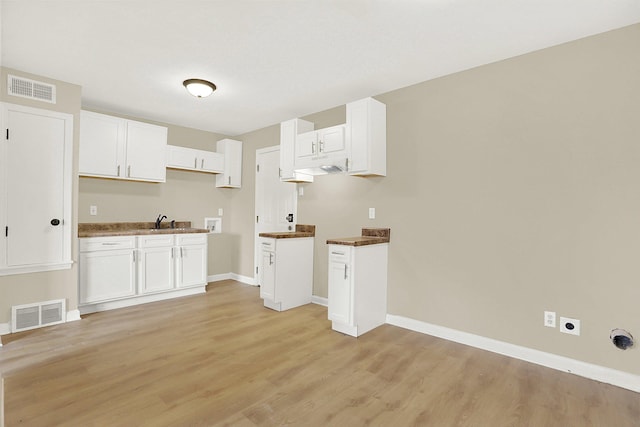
<point>27,88</point>
<point>31,316</point>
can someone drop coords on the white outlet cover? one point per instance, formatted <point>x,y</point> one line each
<point>569,326</point>
<point>550,319</point>
<point>372,213</point>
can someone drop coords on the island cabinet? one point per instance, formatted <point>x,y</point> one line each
<point>357,301</point>
<point>112,147</point>
<point>286,268</point>
<point>120,271</point>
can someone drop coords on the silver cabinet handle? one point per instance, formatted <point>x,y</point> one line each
<point>345,271</point>
<point>229,179</point>
<point>270,258</point>
<point>109,244</point>
<point>181,252</point>
<point>202,164</point>
<point>118,173</point>
<point>320,146</point>
<point>337,253</point>
<point>129,171</point>
<point>313,148</point>
<point>195,163</point>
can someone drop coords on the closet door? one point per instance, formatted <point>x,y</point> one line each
<point>37,189</point>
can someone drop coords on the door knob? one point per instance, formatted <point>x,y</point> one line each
<point>55,221</point>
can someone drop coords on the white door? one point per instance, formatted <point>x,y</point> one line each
<point>192,265</point>
<point>156,269</point>
<point>146,151</point>
<point>37,208</point>
<point>276,201</point>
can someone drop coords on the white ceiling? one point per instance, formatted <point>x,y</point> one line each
<point>280,59</point>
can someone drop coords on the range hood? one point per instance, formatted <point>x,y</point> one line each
<point>326,166</point>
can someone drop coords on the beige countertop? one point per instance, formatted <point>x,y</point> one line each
<point>302,230</point>
<point>106,229</point>
<point>370,236</point>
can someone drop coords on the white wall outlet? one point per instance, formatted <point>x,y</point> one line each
<point>569,326</point>
<point>372,213</point>
<point>219,211</point>
<point>93,210</point>
<point>550,319</point>
<point>300,191</point>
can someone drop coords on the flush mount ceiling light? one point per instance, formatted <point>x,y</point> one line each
<point>199,88</point>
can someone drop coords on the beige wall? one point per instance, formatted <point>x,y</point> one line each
<point>29,288</point>
<point>512,188</point>
<point>185,196</point>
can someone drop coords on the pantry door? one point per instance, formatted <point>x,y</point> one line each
<point>276,201</point>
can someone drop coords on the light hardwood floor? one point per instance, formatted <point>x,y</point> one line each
<point>224,359</point>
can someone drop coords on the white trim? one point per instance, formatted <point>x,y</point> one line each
<point>37,268</point>
<point>319,300</point>
<point>5,328</point>
<point>244,279</point>
<point>218,277</point>
<point>141,299</point>
<point>73,315</point>
<point>554,361</point>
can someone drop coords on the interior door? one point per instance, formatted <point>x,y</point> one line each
<point>38,217</point>
<point>276,201</point>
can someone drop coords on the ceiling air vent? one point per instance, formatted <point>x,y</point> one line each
<point>30,316</point>
<point>27,88</point>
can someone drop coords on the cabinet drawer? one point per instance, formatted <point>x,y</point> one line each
<point>155,241</point>
<point>339,253</point>
<point>90,244</point>
<point>268,244</point>
<point>191,239</point>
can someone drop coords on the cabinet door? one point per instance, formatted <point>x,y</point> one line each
<point>102,145</point>
<point>155,269</point>
<point>232,176</point>
<point>268,276</point>
<point>146,152</point>
<point>182,157</point>
<point>106,275</point>
<point>331,139</point>
<point>306,145</point>
<point>339,301</point>
<point>211,162</point>
<point>192,265</point>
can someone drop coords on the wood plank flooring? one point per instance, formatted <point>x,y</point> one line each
<point>223,359</point>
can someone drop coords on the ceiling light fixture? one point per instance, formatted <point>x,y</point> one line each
<point>199,88</point>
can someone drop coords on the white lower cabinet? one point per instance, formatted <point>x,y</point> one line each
<point>126,270</point>
<point>286,272</point>
<point>357,301</point>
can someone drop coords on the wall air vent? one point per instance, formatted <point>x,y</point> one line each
<point>31,316</point>
<point>26,88</point>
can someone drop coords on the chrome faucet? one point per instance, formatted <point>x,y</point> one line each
<point>159,220</point>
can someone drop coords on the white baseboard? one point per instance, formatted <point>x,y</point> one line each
<point>560,363</point>
<point>141,299</point>
<point>319,300</point>
<point>5,328</point>
<point>233,276</point>
<point>73,315</point>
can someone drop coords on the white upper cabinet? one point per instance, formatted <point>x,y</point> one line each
<point>112,147</point>
<point>194,160</point>
<point>367,137</point>
<point>232,151</point>
<point>358,147</point>
<point>289,131</point>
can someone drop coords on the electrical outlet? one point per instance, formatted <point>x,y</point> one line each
<point>550,319</point>
<point>569,326</point>
<point>372,213</point>
<point>220,212</point>
<point>93,210</point>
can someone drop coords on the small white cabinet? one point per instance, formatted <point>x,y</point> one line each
<point>289,131</point>
<point>321,147</point>
<point>366,135</point>
<point>107,268</point>
<point>194,160</point>
<point>357,300</point>
<point>286,272</point>
<point>126,270</point>
<point>232,151</point>
<point>112,147</point>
